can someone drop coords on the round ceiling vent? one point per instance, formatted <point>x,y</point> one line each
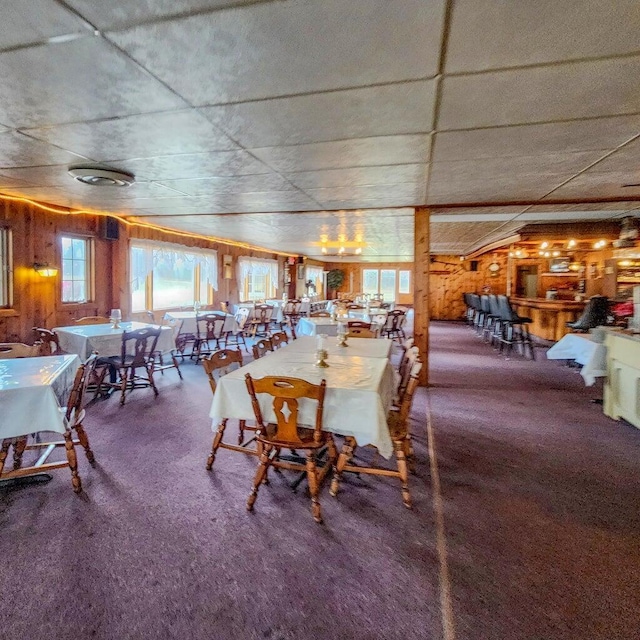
<point>102,177</point>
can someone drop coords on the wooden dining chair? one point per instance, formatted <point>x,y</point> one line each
<point>9,350</point>
<point>48,341</point>
<point>218,364</point>
<point>398,421</point>
<point>93,320</point>
<point>136,354</point>
<point>393,327</point>
<point>74,418</point>
<point>319,314</point>
<point>278,339</point>
<point>359,324</point>
<point>285,394</point>
<point>357,332</point>
<point>261,348</point>
<point>209,328</point>
<point>260,321</point>
<point>238,338</point>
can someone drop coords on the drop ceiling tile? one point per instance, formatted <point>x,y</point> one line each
<point>238,184</point>
<point>403,192</point>
<point>452,211</point>
<point>565,216</point>
<point>359,152</point>
<point>486,34</point>
<point>11,182</point>
<point>25,23</point>
<point>356,113</point>
<point>624,160</point>
<point>558,92</point>
<point>193,165</point>
<point>613,207</point>
<point>534,139</point>
<point>17,150</point>
<point>391,175</point>
<point>138,136</point>
<point>106,15</point>
<point>277,48</point>
<point>598,184</point>
<point>372,203</point>
<point>63,87</point>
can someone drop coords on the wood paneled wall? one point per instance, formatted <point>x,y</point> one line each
<point>37,301</point>
<point>353,275</point>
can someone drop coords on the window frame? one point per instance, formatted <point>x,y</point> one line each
<point>89,277</point>
<point>397,291</point>
<point>6,268</point>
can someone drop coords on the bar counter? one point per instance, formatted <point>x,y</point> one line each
<point>549,317</point>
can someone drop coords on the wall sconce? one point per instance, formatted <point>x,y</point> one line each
<point>227,271</point>
<point>43,269</point>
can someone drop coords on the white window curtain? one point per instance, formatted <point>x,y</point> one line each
<point>257,267</point>
<point>315,275</point>
<point>150,253</point>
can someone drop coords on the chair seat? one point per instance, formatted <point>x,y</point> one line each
<point>305,435</point>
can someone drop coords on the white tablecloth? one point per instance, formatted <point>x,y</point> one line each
<point>363,347</point>
<point>107,341</point>
<point>592,355</point>
<point>359,393</point>
<point>276,315</point>
<point>188,319</point>
<point>313,326</point>
<point>32,390</point>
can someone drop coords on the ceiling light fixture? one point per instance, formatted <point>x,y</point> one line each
<point>101,176</point>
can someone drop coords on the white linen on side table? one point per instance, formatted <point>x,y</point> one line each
<point>313,326</point>
<point>83,340</point>
<point>359,394</point>
<point>592,355</point>
<point>32,390</point>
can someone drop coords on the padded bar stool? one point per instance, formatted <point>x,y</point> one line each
<point>515,329</point>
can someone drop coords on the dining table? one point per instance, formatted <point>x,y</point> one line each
<point>584,350</point>
<point>188,320</point>
<point>328,326</point>
<point>32,392</point>
<point>360,388</point>
<point>105,339</point>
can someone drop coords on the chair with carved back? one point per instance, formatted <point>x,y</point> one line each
<point>354,306</point>
<point>393,326</point>
<point>92,320</point>
<point>260,321</point>
<point>48,341</point>
<point>360,324</point>
<point>410,357</point>
<point>9,350</point>
<point>209,327</point>
<point>398,421</point>
<point>284,395</point>
<point>219,363</point>
<point>404,346</point>
<point>238,338</point>
<point>73,418</point>
<point>291,312</point>
<point>136,354</point>
<point>279,339</point>
<point>361,332</point>
<point>261,348</point>
<point>319,314</point>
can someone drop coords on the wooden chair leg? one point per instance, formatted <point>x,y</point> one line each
<point>175,364</point>
<point>73,462</point>
<point>4,452</point>
<point>261,473</point>
<point>217,439</point>
<point>343,459</point>
<point>241,426</point>
<point>18,449</point>
<point>398,446</point>
<point>409,454</point>
<point>314,488</point>
<point>84,441</point>
<point>151,381</point>
<point>123,385</point>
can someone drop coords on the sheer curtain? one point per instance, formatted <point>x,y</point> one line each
<point>316,275</point>
<point>249,268</point>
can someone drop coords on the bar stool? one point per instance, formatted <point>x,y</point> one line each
<point>515,329</point>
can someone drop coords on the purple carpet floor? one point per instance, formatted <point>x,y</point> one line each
<point>526,526</point>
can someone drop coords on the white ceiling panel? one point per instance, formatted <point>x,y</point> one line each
<point>356,113</point>
<point>624,160</point>
<point>281,48</point>
<point>491,34</point>
<point>55,83</point>
<point>402,173</point>
<point>533,139</point>
<point>541,94</point>
<point>18,150</point>
<point>401,191</point>
<point>106,15</point>
<point>358,152</point>
<point>43,20</point>
<point>599,184</point>
<point>238,184</point>
<point>138,136</point>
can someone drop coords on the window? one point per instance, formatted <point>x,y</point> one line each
<point>315,275</point>
<point>388,282</point>
<point>76,269</point>
<point>404,281</point>
<point>257,278</point>
<point>164,276</point>
<point>5,268</point>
